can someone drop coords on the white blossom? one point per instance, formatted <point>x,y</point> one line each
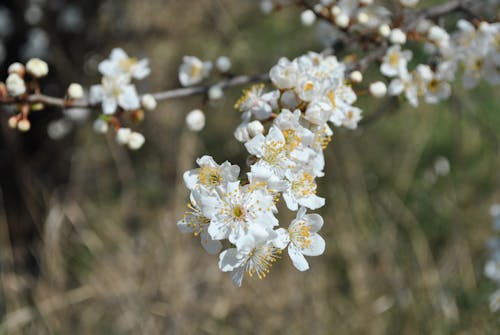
<point>193,70</point>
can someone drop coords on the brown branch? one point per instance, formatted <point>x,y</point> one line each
<point>160,96</point>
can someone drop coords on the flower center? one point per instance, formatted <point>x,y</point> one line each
<point>210,176</point>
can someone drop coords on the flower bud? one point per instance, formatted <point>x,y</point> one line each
<point>254,128</point>
<point>223,64</point>
<point>335,10</point>
<point>397,36</point>
<point>356,77</point>
<point>215,92</point>
<point>342,20</point>
<point>24,125</point>
<point>136,140</point>
<point>101,126</point>
<point>123,136</point>
<point>13,122</point>
<point>37,67</point>
<point>363,18</point>
<point>378,89</point>
<point>195,120</point>
<point>148,101</point>
<point>15,85</point>
<point>75,91</point>
<point>384,30</point>
<point>307,18</point>
<point>17,68</point>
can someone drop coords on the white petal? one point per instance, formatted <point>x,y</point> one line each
<point>190,178</point>
<point>108,105</point>
<point>315,221</point>
<point>254,146</point>
<point>228,260</point>
<point>312,202</point>
<point>282,239</point>
<point>317,246</point>
<point>213,247</point>
<point>129,99</point>
<point>237,276</point>
<point>298,260</point>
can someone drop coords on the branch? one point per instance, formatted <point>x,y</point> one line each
<point>164,95</point>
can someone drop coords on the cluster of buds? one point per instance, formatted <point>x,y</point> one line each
<point>22,81</point>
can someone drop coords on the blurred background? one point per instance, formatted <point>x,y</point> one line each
<point>88,236</point>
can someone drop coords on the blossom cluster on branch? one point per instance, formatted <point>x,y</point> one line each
<point>286,125</point>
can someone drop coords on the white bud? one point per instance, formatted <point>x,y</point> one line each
<point>223,64</point>
<point>75,91</point>
<point>123,135</point>
<point>215,92</point>
<point>101,126</point>
<point>241,133</point>
<point>356,76</point>
<point>342,20</point>
<point>13,122</point>
<point>37,67</point>
<point>484,26</point>
<point>335,10</point>
<point>384,30</point>
<point>17,68</point>
<point>195,120</point>
<point>397,36</point>
<point>307,17</point>
<point>15,85</point>
<point>254,128</point>
<point>363,18</point>
<point>136,140</point>
<point>148,101</point>
<point>437,34</point>
<point>366,2</point>
<point>378,89</point>
<point>24,125</point>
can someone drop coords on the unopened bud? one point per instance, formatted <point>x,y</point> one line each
<point>215,92</point>
<point>148,101</point>
<point>223,64</point>
<point>75,91</point>
<point>307,17</point>
<point>123,135</point>
<point>15,85</point>
<point>136,140</point>
<point>335,10</point>
<point>342,20</point>
<point>23,125</point>
<point>397,36</point>
<point>363,18</point>
<point>384,30</point>
<point>137,115</point>
<point>195,120</point>
<point>37,67</point>
<point>356,77</point>
<point>255,128</point>
<point>13,122</point>
<point>378,89</point>
<point>17,68</point>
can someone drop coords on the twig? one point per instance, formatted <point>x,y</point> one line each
<point>165,95</point>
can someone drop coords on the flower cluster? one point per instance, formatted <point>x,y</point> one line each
<point>117,95</point>
<point>475,48</point>
<point>492,266</point>
<point>286,160</point>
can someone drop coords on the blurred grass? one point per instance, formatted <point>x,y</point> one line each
<point>405,246</point>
